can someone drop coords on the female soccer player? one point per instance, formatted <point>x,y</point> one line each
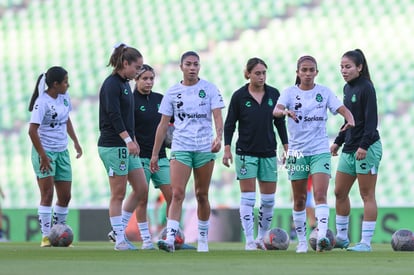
<point>306,105</point>
<point>49,128</point>
<point>251,107</point>
<point>147,118</point>
<point>194,103</point>
<point>362,151</point>
<point>117,145</point>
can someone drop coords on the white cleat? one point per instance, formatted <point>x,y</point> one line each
<point>302,247</point>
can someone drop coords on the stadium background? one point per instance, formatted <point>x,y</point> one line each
<point>79,35</point>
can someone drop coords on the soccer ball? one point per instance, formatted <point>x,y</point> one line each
<point>402,240</point>
<point>179,237</point>
<point>276,239</point>
<point>169,136</point>
<point>61,235</point>
<point>313,239</point>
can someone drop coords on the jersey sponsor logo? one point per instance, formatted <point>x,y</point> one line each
<point>196,115</point>
<point>298,105</point>
<point>313,118</point>
<point>182,116</point>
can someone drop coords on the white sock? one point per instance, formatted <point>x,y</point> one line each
<point>342,223</point>
<point>45,218</point>
<point>203,230</point>
<point>322,218</point>
<point>60,214</point>
<point>267,201</point>
<point>172,228</point>
<point>247,201</point>
<point>144,231</point>
<point>368,229</point>
<point>118,228</point>
<point>126,216</point>
<point>299,220</point>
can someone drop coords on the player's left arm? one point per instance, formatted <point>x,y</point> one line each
<point>72,135</point>
<point>218,123</point>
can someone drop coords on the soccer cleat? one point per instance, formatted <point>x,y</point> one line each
<point>360,247</point>
<point>323,244</point>
<point>250,246</point>
<point>202,246</point>
<point>260,244</point>
<point>164,245</point>
<point>339,243</point>
<point>130,245</point>
<point>122,246</point>
<point>111,236</point>
<point>45,242</point>
<point>302,247</point>
<point>147,246</point>
<point>3,240</point>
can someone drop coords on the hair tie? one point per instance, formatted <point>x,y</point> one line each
<point>117,45</point>
<point>41,87</point>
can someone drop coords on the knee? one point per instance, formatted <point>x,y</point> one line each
<point>202,197</point>
<point>299,203</point>
<point>178,195</point>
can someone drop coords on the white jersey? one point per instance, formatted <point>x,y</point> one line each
<point>308,135</point>
<point>192,108</point>
<point>52,114</point>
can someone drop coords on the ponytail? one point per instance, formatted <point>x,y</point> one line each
<point>53,74</point>
<point>121,53</point>
<point>358,57</point>
<point>40,85</point>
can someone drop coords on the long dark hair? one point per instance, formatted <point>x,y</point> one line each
<point>358,57</point>
<point>54,74</point>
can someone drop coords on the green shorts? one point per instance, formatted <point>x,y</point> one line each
<point>301,167</point>
<point>264,169</point>
<point>61,167</point>
<point>348,163</point>
<point>162,176</point>
<point>193,159</point>
<point>117,161</point>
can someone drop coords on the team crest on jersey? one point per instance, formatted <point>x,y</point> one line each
<point>202,94</point>
<point>65,101</point>
<point>319,98</point>
<point>270,102</point>
<point>122,166</point>
<point>353,98</point>
<point>142,108</point>
<point>248,104</point>
<point>126,91</point>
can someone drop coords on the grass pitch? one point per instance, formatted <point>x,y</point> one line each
<point>223,258</point>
